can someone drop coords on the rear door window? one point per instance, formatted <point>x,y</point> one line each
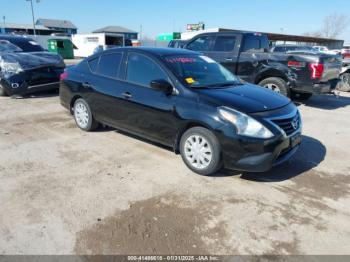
<point>201,43</point>
<point>224,43</point>
<point>109,64</point>
<point>254,42</point>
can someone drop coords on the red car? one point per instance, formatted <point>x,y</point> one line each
<point>345,53</point>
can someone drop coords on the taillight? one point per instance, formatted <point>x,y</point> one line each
<point>296,64</point>
<point>316,70</point>
<point>64,75</point>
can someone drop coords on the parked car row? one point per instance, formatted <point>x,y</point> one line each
<point>247,55</point>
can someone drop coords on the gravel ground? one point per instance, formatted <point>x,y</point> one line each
<point>63,191</point>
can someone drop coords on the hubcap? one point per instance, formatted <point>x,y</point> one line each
<point>198,152</point>
<point>81,115</point>
<point>273,87</point>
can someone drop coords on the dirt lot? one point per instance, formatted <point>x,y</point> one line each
<point>63,191</point>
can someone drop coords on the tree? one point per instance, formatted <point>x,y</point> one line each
<point>333,25</point>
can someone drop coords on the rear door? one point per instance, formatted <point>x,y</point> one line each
<point>225,50</point>
<point>252,56</point>
<point>106,87</point>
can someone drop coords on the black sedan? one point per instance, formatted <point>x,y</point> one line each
<point>25,67</point>
<point>186,101</point>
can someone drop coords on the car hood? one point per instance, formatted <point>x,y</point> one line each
<point>245,98</point>
<point>33,60</point>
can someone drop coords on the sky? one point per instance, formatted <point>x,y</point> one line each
<point>162,16</point>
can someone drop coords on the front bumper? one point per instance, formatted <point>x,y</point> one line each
<point>32,81</point>
<point>260,155</point>
<point>255,155</point>
<point>315,88</point>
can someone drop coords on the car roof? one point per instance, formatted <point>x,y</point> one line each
<point>15,37</point>
<point>156,51</point>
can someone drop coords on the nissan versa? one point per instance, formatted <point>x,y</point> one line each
<point>186,101</point>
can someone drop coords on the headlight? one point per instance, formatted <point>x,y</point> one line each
<point>9,69</point>
<point>245,125</point>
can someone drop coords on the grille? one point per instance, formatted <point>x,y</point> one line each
<point>288,125</point>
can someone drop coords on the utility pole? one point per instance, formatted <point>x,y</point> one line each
<point>31,4</point>
<point>4,19</point>
<point>140,36</point>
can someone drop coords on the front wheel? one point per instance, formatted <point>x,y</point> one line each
<point>277,85</point>
<point>200,150</point>
<point>83,116</point>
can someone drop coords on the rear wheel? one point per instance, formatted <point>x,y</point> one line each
<point>2,91</point>
<point>200,150</point>
<point>277,85</point>
<point>83,116</point>
<point>344,83</point>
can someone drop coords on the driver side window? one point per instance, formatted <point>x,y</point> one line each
<point>142,70</point>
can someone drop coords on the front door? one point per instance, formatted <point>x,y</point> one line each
<point>150,113</point>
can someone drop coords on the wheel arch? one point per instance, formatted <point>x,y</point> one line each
<point>187,126</point>
<point>270,73</point>
<point>72,101</point>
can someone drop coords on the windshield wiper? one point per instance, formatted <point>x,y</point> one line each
<point>232,83</point>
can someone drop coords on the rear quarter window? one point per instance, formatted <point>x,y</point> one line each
<point>93,64</point>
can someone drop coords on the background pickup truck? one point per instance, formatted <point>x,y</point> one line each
<point>247,55</point>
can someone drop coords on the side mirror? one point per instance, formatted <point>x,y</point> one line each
<point>162,85</point>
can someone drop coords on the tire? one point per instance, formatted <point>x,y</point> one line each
<point>83,116</point>
<point>301,96</point>
<point>344,83</point>
<point>2,91</point>
<point>208,146</point>
<point>276,84</point>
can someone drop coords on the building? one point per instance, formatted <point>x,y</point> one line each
<point>128,34</point>
<point>58,26</point>
<point>11,28</point>
<point>277,38</point>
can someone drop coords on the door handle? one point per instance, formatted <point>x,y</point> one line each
<point>86,85</point>
<point>127,95</point>
<point>229,59</point>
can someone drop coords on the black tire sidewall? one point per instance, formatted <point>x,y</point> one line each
<point>215,163</point>
<point>281,83</point>
<point>90,125</point>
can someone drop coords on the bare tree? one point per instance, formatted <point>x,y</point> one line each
<point>333,25</point>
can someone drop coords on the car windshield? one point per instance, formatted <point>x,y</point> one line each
<point>199,71</point>
<point>6,46</point>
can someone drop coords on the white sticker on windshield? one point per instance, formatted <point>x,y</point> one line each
<point>207,59</point>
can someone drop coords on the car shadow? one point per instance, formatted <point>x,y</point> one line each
<point>327,102</point>
<point>310,154</point>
